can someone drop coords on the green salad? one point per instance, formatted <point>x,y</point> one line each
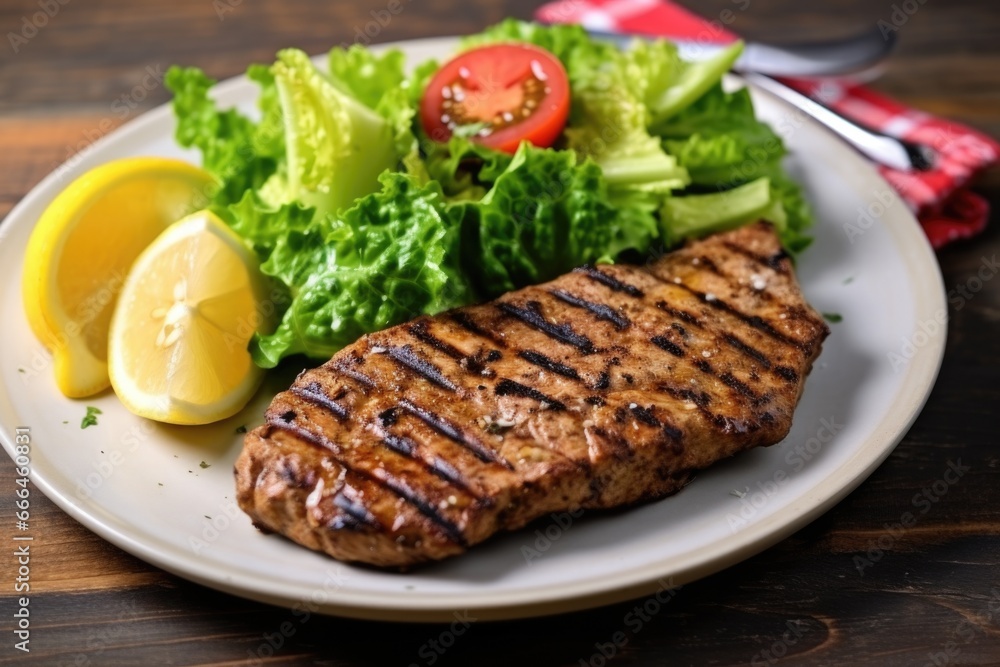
<point>368,205</point>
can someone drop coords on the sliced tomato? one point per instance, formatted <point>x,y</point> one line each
<point>503,94</point>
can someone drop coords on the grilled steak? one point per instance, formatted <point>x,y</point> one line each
<point>607,386</point>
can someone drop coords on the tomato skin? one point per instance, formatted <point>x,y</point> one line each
<point>522,86</point>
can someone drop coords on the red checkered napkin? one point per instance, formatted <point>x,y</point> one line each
<point>946,208</point>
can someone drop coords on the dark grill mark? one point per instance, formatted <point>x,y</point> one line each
<point>419,331</point>
<point>510,388</point>
<point>774,262</point>
<point>707,264</point>
<point>618,446</point>
<point>754,321</point>
<point>402,489</point>
<point>752,352</point>
<point>399,444</point>
<point>291,475</point>
<point>453,432</point>
<point>668,345</point>
<point>548,364</point>
<point>313,393</point>
<point>679,314</point>
<point>304,434</point>
<point>494,355</point>
<point>679,329</point>
<point>448,472</point>
<point>786,373</point>
<point>609,281</point>
<point>644,415</point>
<point>357,512</point>
<point>603,380</point>
<point>342,521</point>
<point>382,478</point>
<point>676,436</point>
<point>701,399</point>
<point>474,365</point>
<point>463,320</point>
<point>741,387</point>
<point>405,356</point>
<point>760,324</point>
<point>341,366</point>
<point>532,316</point>
<point>594,400</point>
<point>729,380</point>
<point>602,311</point>
<point>289,416</point>
<point>736,425</point>
<point>388,417</point>
<point>437,466</point>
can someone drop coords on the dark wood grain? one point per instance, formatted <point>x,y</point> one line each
<point>931,594</point>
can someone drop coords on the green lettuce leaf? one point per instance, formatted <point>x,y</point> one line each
<point>719,140</point>
<point>408,249</point>
<point>608,126</point>
<point>666,96</point>
<point>390,257</point>
<point>798,214</point>
<point>380,83</point>
<point>537,220</point>
<point>569,43</point>
<point>774,198</point>
<point>464,169</point>
<point>261,225</point>
<point>336,147</point>
<point>366,76</point>
<point>693,216</point>
<point>240,153</point>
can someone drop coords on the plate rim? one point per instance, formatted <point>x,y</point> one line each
<point>915,389</point>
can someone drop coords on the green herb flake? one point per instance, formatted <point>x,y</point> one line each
<point>205,465</point>
<point>848,280</point>
<point>91,417</point>
<point>21,370</point>
<point>833,317</point>
<point>241,429</point>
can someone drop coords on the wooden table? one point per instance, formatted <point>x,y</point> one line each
<point>932,598</point>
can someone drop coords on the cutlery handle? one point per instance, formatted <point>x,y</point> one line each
<point>890,151</point>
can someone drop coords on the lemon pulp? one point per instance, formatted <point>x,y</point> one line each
<point>179,335</point>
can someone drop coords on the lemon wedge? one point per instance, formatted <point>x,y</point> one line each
<point>177,349</point>
<point>82,248</point>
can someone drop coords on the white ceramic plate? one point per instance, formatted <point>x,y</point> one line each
<point>144,487</point>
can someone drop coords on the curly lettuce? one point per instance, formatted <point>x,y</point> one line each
<point>362,222</point>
